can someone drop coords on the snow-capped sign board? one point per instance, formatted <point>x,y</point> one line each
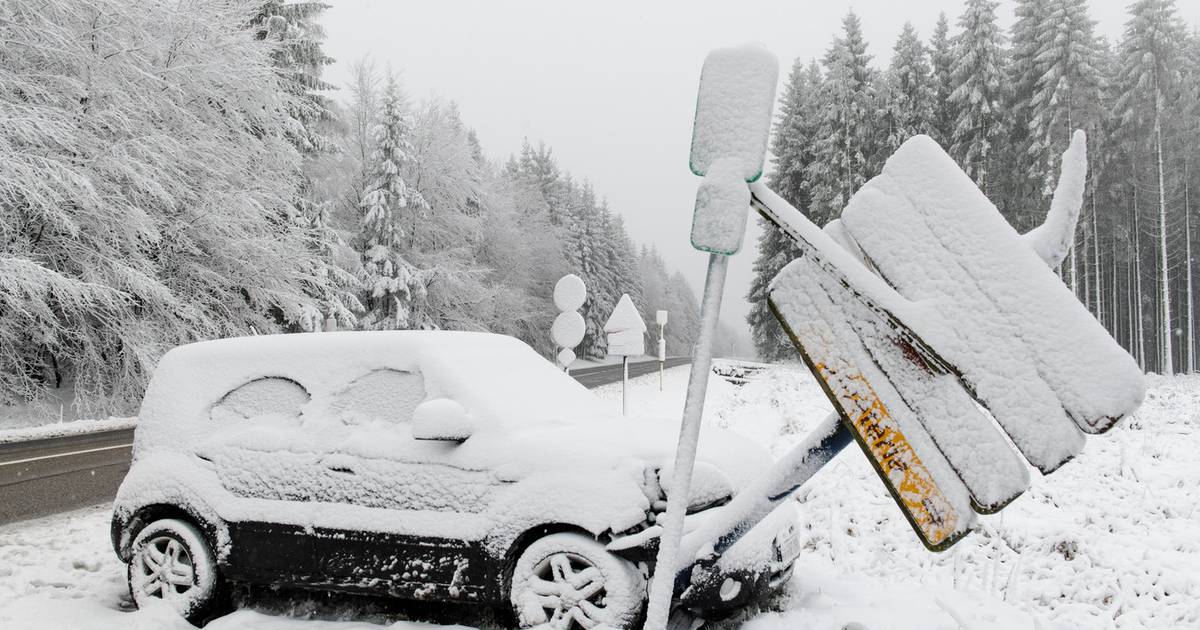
<point>625,329</point>
<point>660,318</point>
<point>1024,344</point>
<point>568,329</point>
<point>729,142</point>
<point>733,110</point>
<point>570,293</point>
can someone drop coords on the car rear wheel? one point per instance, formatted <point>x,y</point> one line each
<point>171,562</point>
<point>570,581</point>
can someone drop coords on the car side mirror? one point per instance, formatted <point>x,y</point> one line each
<point>442,419</point>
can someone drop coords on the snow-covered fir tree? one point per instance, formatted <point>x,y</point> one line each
<point>1150,78</point>
<point>791,155</point>
<point>941,64</point>
<point>846,147</point>
<point>978,78</point>
<point>908,91</point>
<point>394,287</point>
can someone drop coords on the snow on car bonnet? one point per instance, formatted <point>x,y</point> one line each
<point>498,379</point>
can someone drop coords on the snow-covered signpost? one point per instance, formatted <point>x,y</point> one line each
<point>729,143</point>
<point>626,337</point>
<point>660,317</point>
<point>568,328</point>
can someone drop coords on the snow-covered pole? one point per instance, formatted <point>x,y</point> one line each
<point>729,142</point>
<point>568,328</point>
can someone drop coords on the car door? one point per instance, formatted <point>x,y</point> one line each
<point>254,459</point>
<point>417,521</point>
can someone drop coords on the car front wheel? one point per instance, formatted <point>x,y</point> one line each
<point>171,562</point>
<point>570,581</point>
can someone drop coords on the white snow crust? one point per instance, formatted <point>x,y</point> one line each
<point>1053,239</point>
<point>722,209</point>
<point>1031,351</point>
<point>733,109</point>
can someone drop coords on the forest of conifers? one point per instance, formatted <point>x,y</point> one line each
<point>1004,105</point>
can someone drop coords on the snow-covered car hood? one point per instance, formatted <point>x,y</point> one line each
<point>723,458</point>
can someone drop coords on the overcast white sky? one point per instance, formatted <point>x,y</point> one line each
<point>611,85</point>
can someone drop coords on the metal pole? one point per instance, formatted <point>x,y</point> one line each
<point>625,386</point>
<point>661,359</point>
<point>662,586</point>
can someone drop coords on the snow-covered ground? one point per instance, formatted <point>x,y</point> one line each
<point>1112,540</point>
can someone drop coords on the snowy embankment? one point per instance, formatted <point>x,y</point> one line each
<point>1112,540</point>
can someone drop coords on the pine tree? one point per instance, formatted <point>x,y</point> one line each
<point>845,151</point>
<point>394,285</point>
<point>791,155</point>
<point>941,61</point>
<point>978,96</point>
<point>1024,71</point>
<point>908,107</point>
<point>1150,78</point>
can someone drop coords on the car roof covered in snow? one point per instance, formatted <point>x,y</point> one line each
<point>497,378</point>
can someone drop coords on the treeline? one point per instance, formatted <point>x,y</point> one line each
<point>173,172</point>
<point>1004,105</point>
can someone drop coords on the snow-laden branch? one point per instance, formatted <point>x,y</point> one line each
<point>1053,239</point>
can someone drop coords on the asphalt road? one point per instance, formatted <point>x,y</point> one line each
<point>46,476</point>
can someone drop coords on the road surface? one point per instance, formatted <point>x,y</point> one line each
<point>50,475</point>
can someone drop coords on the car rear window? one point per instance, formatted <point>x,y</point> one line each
<point>269,396</point>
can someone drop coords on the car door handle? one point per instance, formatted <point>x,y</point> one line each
<point>339,465</point>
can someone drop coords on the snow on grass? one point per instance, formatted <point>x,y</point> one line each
<point>1111,540</point>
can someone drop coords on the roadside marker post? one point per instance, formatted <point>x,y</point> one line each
<point>661,318</point>
<point>567,331</point>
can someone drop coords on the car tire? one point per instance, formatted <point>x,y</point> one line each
<point>171,561</point>
<point>570,580</point>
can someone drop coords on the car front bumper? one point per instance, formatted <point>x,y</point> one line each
<point>754,568</point>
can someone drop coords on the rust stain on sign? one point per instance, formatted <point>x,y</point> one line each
<point>894,458</point>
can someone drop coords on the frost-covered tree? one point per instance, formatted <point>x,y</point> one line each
<point>791,155</point>
<point>845,151</point>
<point>978,97</point>
<point>1150,79</point>
<point>908,91</point>
<point>395,288</point>
<point>148,185</point>
<point>941,63</point>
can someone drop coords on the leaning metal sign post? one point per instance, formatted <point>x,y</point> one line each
<point>920,372</point>
<point>729,144</point>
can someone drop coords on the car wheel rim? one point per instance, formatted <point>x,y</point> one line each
<point>569,590</point>
<point>165,569</point>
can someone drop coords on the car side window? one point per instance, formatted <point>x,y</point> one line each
<point>381,395</point>
<point>268,396</point>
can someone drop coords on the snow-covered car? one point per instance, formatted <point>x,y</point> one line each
<point>420,465</point>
